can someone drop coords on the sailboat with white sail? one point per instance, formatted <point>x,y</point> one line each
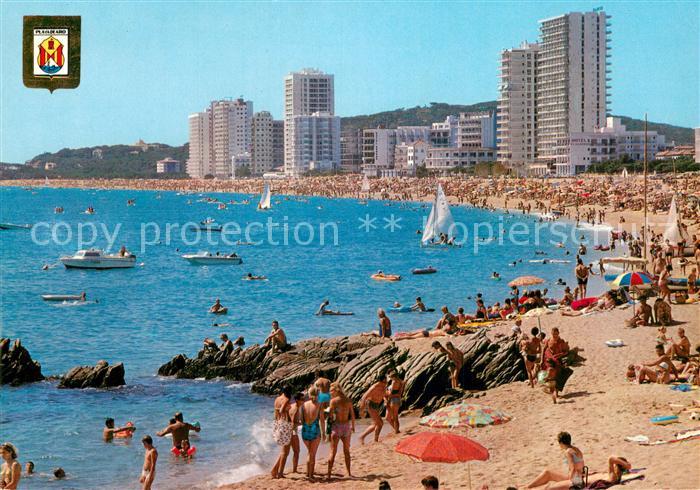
<point>265,198</point>
<point>439,227</point>
<point>674,232</point>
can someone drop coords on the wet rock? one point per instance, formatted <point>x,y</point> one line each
<point>356,362</point>
<point>16,365</point>
<point>102,375</point>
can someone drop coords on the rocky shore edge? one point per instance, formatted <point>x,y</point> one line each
<point>356,362</point>
<point>17,367</point>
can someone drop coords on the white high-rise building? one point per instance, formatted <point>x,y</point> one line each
<point>477,130</point>
<point>199,163</point>
<point>306,92</point>
<point>262,154</point>
<point>231,122</point>
<point>516,121</point>
<point>571,88</point>
<point>315,143</point>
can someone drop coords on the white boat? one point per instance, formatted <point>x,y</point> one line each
<point>674,233</point>
<point>95,259</point>
<point>207,258</point>
<point>365,184</point>
<point>265,198</point>
<point>12,226</point>
<point>61,297</point>
<point>439,221</point>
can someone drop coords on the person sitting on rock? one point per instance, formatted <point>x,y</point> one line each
<point>277,338</point>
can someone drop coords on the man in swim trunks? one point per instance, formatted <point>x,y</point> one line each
<point>282,431</point>
<point>277,338</point>
<point>581,272</point>
<point>342,421</point>
<point>180,431</point>
<point>109,430</point>
<point>373,403</point>
<point>643,316</point>
<point>148,473</point>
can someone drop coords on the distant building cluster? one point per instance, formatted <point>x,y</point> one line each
<point>551,119</point>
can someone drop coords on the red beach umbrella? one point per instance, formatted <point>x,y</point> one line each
<point>435,447</point>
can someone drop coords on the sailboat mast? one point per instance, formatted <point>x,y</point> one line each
<point>645,187</point>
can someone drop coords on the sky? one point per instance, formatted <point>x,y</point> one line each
<point>147,65</point>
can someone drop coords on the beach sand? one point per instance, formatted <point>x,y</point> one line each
<point>598,407</point>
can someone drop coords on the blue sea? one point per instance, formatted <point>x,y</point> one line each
<point>148,314</point>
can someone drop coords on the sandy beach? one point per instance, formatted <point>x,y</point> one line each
<point>599,407</point>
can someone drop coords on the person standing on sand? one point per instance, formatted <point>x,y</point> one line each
<point>323,385</point>
<point>148,473</point>
<point>531,350</point>
<point>313,424</point>
<point>282,431</point>
<point>664,291</point>
<point>554,348</point>
<point>342,421</point>
<point>394,394</point>
<point>581,272</point>
<point>295,416</point>
<point>373,402</point>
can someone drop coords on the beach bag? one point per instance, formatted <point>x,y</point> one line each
<point>562,377</point>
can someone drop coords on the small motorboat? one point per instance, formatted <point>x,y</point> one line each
<point>96,259</point>
<point>336,313</point>
<point>62,297</point>
<point>424,270</point>
<point>408,309</point>
<point>386,277</point>
<point>13,226</point>
<point>210,225</point>
<point>207,258</point>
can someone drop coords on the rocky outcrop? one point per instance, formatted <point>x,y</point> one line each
<point>356,362</point>
<point>16,365</point>
<point>102,375</point>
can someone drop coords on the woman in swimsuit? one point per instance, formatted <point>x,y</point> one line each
<point>11,470</point>
<point>373,402</point>
<point>531,350</point>
<point>573,479</point>
<point>394,393</point>
<point>342,421</point>
<point>313,420</point>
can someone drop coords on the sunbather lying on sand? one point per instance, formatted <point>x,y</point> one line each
<point>604,303</point>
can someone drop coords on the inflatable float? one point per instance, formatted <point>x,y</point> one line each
<point>424,270</point>
<point>125,433</point>
<point>407,309</point>
<point>222,311</point>
<point>386,277</point>
<point>191,450</point>
<point>61,297</point>
<point>664,419</point>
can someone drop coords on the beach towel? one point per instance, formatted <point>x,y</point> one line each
<point>563,376</point>
<point>580,304</point>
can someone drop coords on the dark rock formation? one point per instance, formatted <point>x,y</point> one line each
<point>356,362</point>
<point>16,365</point>
<point>102,375</point>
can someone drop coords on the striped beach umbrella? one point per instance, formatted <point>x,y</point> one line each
<point>629,279</point>
<point>465,415</point>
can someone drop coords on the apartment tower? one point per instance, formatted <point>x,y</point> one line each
<point>263,150</point>
<point>571,87</point>
<point>306,92</point>
<point>516,121</point>
<point>200,163</point>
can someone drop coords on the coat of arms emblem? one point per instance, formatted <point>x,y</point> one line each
<point>51,52</point>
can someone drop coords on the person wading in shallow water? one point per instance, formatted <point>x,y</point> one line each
<point>148,474</point>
